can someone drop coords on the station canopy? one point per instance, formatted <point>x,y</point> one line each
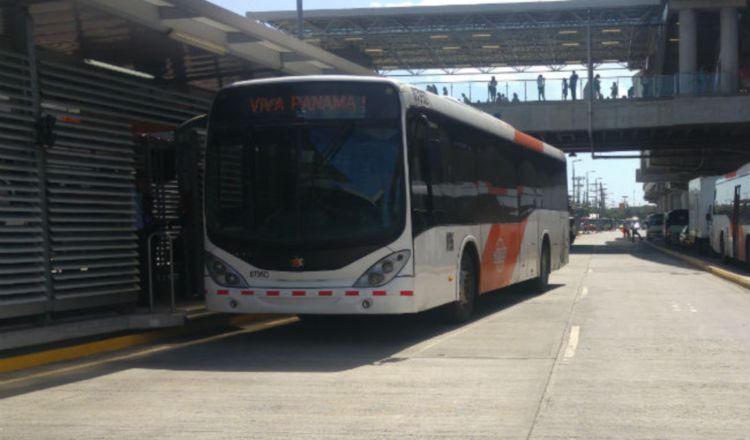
<point>190,42</point>
<point>485,36</point>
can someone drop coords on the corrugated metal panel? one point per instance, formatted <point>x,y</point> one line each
<point>22,288</point>
<point>90,180</point>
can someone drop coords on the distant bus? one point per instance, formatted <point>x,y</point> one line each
<point>730,221</point>
<point>701,191</point>
<point>352,195</point>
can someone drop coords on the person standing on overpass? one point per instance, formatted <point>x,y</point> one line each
<point>573,85</point>
<point>492,89</point>
<point>540,83</point>
<point>565,89</point>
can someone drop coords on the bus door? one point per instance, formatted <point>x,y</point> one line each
<point>734,226</point>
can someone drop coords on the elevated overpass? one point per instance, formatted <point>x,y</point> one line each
<point>684,123</point>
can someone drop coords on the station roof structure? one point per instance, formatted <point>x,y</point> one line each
<point>484,36</point>
<point>191,41</point>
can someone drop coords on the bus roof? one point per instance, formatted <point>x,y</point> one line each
<point>414,97</point>
<point>741,172</point>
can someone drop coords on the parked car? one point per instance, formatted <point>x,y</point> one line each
<point>674,222</point>
<point>654,225</point>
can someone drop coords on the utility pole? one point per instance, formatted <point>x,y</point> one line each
<point>588,200</point>
<point>594,202</point>
<point>300,23</point>
<point>575,182</point>
<point>577,190</point>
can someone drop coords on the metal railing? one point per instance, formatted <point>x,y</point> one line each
<point>170,239</point>
<point>605,88</point>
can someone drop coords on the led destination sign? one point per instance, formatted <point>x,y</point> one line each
<point>310,106</point>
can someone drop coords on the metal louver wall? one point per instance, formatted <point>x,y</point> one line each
<point>22,287</point>
<point>86,178</point>
<point>90,178</point>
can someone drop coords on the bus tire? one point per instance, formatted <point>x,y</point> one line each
<point>461,310</point>
<point>541,283</point>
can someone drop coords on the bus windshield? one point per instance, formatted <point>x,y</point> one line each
<point>302,166</point>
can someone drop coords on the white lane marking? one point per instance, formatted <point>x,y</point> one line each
<point>584,292</point>
<point>692,309</point>
<point>676,307</point>
<point>570,350</point>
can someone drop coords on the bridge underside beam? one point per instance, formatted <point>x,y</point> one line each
<point>716,138</point>
<point>635,125</point>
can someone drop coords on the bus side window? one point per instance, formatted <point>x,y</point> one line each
<point>462,179</point>
<point>496,171</point>
<point>527,184</point>
<point>418,136</point>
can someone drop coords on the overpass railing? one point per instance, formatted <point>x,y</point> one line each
<point>609,87</point>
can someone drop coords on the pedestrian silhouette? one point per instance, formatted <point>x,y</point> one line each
<point>573,85</point>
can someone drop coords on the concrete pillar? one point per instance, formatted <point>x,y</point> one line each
<point>688,51</point>
<point>729,54</point>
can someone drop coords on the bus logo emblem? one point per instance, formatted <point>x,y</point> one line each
<point>297,263</point>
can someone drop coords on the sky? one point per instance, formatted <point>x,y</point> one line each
<point>617,175</point>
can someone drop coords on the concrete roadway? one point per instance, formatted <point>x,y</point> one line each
<point>628,343</point>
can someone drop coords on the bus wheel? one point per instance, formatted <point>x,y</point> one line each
<point>542,281</point>
<point>460,311</point>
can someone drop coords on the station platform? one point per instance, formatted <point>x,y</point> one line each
<point>33,347</point>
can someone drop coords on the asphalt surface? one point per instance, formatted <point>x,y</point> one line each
<point>628,343</point>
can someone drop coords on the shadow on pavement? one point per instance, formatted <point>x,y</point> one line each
<point>336,345</point>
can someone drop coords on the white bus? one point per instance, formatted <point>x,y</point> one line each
<point>730,222</point>
<point>352,195</point>
<point>701,192</point>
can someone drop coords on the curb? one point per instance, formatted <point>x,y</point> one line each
<point>38,359</point>
<point>717,271</point>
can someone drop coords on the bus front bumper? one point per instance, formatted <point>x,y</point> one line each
<point>397,297</point>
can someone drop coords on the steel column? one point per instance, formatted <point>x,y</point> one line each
<point>729,55</point>
<point>688,51</point>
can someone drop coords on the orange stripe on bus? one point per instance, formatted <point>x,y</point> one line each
<point>529,141</point>
<point>500,257</point>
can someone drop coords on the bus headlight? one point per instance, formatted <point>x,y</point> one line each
<point>221,273</point>
<point>384,270</point>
